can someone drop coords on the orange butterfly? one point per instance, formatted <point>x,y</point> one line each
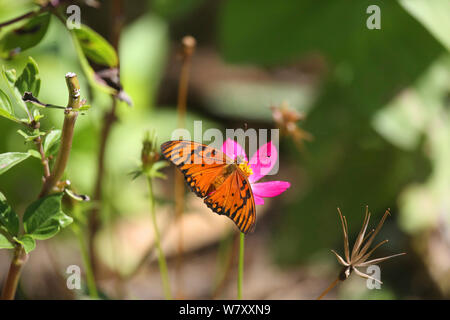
<point>212,175</point>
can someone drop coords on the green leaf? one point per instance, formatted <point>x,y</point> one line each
<point>5,103</point>
<point>85,107</point>
<point>10,77</point>
<point>95,47</point>
<point>24,37</point>
<point>44,217</point>
<point>29,80</point>
<point>99,61</point>
<point>6,109</point>
<point>34,153</point>
<point>5,243</point>
<point>8,218</point>
<point>51,142</point>
<point>10,159</point>
<point>434,15</point>
<point>30,136</point>
<point>27,241</point>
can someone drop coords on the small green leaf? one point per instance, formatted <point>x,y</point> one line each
<point>8,218</point>
<point>85,107</point>
<point>10,77</point>
<point>37,115</point>
<point>95,47</point>
<point>5,243</point>
<point>44,218</point>
<point>5,103</point>
<point>51,142</point>
<point>153,171</point>
<point>27,241</point>
<point>6,109</point>
<point>29,80</point>
<point>10,159</point>
<point>34,154</point>
<point>30,136</point>
<point>434,15</point>
<point>24,37</point>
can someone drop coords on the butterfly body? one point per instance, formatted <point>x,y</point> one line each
<point>212,175</point>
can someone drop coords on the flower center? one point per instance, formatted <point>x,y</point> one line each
<point>245,168</point>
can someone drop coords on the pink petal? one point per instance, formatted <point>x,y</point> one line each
<point>258,200</point>
<point>263,161</point>
<point>233,149</point>
<point>269,189</point>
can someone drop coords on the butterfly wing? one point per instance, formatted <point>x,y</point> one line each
<point>199,163</point>
<point>234,198</point>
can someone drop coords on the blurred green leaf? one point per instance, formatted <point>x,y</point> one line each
<point>5,243</point>
<point>85,107</point>
<point>28,243</point>
<point>173,9</point>
<point>51,142</point>
<point>99,61</point>
<point>8,218</point>
<point>95,47</point>
<point>44,218</point>
<point>30,136</point>
<point>143,54</point>
<point>10,159</point>
<point>6,107</point>
<point>24,37</point>
<point>153,170</point>
<point>378,62</point>
<point>5,103</point>
<point>434,15</point>
<point>29,80</point>
<point>34,153</point>
<point>10,79</point>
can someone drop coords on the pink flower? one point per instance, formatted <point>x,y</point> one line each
<point>260,164</point>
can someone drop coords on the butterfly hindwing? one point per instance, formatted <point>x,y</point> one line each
<point>234,198</point>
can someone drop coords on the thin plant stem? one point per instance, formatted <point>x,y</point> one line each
<point>94,217</point>
<point>110,118</point>
<point>10,286</point>
<point>331,286</point>
<point>161,258</point>
<point>241,266</point>
<point>188,43</point>
<point>44,160</point>
<point>70,117</point>
<point>227,256</point>
<point>19,18</point>
<point>90,279</point>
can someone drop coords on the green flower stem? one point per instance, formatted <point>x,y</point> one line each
<point>161,257</point>
<point>90,280</point>
<point>241,266</point>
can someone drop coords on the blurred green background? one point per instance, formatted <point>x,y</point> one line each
<point>377,103</point>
